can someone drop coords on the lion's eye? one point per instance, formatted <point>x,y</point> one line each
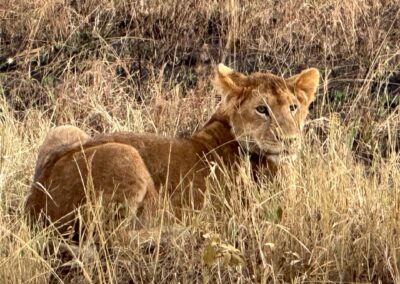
<point>292,108</point>
<point>262,110</point>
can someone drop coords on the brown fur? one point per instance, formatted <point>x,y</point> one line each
<point>129,168</point>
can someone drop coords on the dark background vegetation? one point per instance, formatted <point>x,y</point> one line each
<point>354,44</point>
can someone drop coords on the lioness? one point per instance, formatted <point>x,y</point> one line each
<point>261,115</point>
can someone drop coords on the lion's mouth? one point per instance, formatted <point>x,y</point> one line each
<point>275,152</point>
<point>272,152</point>
<point>282,157</point>
<point>279,151</point>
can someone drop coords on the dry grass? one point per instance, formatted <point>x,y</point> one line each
<point>143,66</point>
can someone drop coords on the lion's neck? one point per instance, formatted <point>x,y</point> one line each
<point>218,141</point>
<point>216,137</point>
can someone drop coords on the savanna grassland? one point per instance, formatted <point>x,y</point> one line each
<point>145,66</point>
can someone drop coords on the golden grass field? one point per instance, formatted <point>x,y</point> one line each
<point>145,66</point>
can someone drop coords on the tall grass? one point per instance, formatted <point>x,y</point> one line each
<point>143,66</point>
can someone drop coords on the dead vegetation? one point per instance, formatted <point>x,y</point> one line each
<point>143,66</point>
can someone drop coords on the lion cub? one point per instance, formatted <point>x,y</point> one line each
<point>261,115</point>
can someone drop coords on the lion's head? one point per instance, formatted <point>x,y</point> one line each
<point>266,112</point>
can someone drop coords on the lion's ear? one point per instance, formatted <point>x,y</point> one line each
<point>227,81</point>
<point>305,85</point>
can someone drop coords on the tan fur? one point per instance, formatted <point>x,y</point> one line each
<point>65,135</point>
<point>129,168</point>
